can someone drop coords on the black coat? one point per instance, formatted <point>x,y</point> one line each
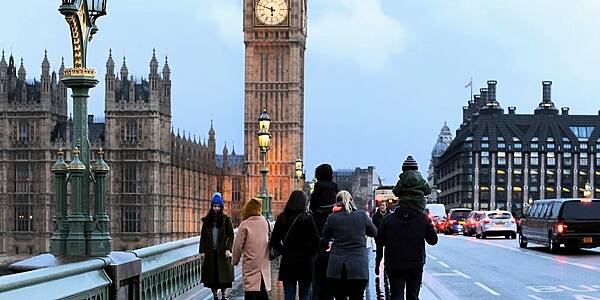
<point>300,247</point>
<point>322,201</point>
<point>349,248</point>
<point>378,217</point>
<point>225,242</point>
<point>403,233</point>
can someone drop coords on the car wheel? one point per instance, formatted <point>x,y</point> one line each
<point>513,235</point>
<point>477,235</point>
<point>522,241</point>
<point>483,236</point>
<point>553,246</point>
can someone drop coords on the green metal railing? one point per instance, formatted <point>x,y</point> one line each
<point>84,280</point>
<point>169,270</point>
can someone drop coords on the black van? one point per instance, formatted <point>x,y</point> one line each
<point>574,223</point>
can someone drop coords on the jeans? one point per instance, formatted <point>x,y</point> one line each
<point>411,279</point>
<point>289,290</point>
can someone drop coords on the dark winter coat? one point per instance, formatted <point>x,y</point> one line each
<point>300,247</point>
<point>378,217</point>
<point>322,201</point>
<point>403,234</point>
<point>224,242</point>
<point>349,249</point>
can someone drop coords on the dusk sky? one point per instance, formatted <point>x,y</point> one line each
<point>382,76</point>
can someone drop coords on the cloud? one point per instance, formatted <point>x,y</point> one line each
<point>226,16</point>
<point>355,31</point>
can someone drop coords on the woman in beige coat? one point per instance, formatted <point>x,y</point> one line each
<point>252,240</point>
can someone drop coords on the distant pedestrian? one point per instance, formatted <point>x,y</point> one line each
<point>295,236</point>
<point>348,267</point>
<point>216,243</point>
<point>403,234</point>
<point>322,201</point>
<point>252,241</point>
<point>382,212</point>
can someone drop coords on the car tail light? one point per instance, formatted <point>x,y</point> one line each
<point>487,221</point>
<point>561,228</point>
<point>512,220</point>
<point>452,221</point>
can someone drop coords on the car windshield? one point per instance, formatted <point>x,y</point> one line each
<point>499,215</point>
<point>579,210</point>
<point>459,215</point>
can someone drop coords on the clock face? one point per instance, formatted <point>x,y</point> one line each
<point>271,12</point>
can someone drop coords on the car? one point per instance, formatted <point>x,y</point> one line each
<point>438,223</point>
<point>496,223</point>
<point>573,222</point>
<point>456,220</point>
<point>471,223</point>
<point>435,210</point>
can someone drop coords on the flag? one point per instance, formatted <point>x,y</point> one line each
<point>470,83</point>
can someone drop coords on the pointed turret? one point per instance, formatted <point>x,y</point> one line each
<point>124,70</point>
<point>154,79</point>
<point>225,157</point>
<point>22,73</point>
<point>61,71</point>
<point>12,70</point>
<point>166,70</point>
<point>3,64</point>
<point>45,79</point>
<point>45,64</point>
<point>3,79</point>
<point>153,63</point>
<point>110,64</point>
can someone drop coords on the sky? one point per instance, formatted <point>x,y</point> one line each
<point>382,76</point>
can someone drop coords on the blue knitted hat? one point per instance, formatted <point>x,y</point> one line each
<point>217,199</point>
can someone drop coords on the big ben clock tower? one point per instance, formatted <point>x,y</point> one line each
<point>275,38</point>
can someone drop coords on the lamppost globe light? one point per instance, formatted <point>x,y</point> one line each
<point>264,121</point>
<point>264,139</point>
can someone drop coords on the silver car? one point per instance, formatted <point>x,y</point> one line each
<point>496,223</point>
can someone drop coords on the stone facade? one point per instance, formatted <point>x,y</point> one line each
<point>160,182</point>
<point>359,182</point>
<point>443,141</point>
<point>274,79</point>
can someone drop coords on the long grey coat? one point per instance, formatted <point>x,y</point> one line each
<point>349,248</point>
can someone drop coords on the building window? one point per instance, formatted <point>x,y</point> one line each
<point>582,131</point>
<point>583,146</point>
<point>364,182</point>
<point>598,159</point>
<point>567,159</point>
<point>501,143</point>
<point>132,132</point>
<point>518,158</point>
<point>24,217</point>
<point>485,158</point>
<point>130,178</point>
<point>550,159</point>
<point>583,159</point>
<point>24,131</point>
<point>23,178</point>
<point>130,218</point>
<point>502,158</point>
<point>517,143</point>
<point>534,159</point>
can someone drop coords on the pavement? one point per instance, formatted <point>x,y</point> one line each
<point>430,290</point>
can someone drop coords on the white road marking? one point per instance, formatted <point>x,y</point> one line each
<point>445,274</point>
<point>462,274</point>
<point>535,297</point>
<point>483,286</point>
<point>432,257</point>
<point>443,264</point>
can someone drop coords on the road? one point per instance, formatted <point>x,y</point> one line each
<point>468,268</point>
<point>495,268</point>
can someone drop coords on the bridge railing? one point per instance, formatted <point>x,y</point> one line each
<point>162,271</point>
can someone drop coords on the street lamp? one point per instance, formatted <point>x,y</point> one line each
<point>298,171</point>
<point>264,143</point>
<point>84,236</point>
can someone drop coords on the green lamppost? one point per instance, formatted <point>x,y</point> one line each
<point>298,172</point>
<point>264,143</point>
<point>81,16</point>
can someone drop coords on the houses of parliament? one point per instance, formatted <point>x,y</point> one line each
<point>160,182</point>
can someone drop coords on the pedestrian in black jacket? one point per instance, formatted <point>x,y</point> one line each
<point>348,266</point>
<point>403,235</point>
<point>295,236</point>
<point>322,201</point>
<point>382,212</point>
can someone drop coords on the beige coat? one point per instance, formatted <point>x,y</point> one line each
<point>252,240</point>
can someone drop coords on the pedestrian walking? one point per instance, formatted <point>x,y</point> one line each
<point>252,241</point>
<point>404,232</point>
<point>382,212</point>
<point>348,267</point>
<point>295,236</point>
<point>216,242</point>
<point>322,201</point>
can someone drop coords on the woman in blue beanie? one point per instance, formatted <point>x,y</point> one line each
<point>216,242</point>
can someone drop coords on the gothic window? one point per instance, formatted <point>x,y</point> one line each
<point>130,178</point>
<point>130,218</point>
<point>132,132</point>
<point>23,178</point>
<point>236,196</point>
<point>23,217</point>
<point>24,132</point>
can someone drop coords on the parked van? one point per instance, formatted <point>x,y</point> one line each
<point>574,223</point>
